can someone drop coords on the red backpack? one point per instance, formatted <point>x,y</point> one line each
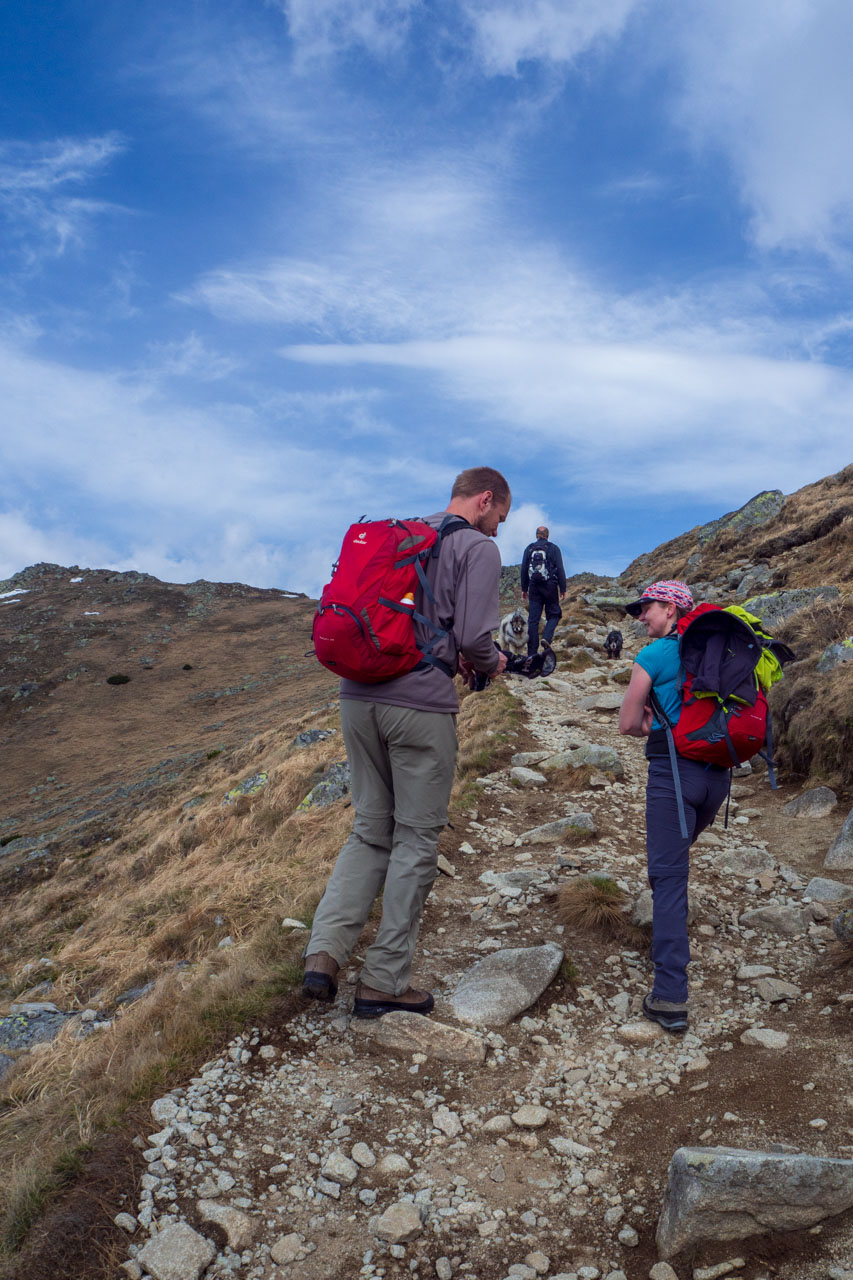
<point>724,716</point>
<point>364,625</point>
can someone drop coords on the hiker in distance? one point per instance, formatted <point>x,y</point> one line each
<point>400,737</point>
<point>543,585</point>
<point>657,674</point>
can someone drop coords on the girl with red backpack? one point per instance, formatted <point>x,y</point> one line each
<point>658,677</point>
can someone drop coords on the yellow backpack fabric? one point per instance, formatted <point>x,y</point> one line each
<point>768,669</point>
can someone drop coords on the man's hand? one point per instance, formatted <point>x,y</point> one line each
<point>562,595</point>
<point>524,596</point>
<point>501,664</point>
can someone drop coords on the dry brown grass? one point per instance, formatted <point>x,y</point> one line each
<point>153,905</point>
<point>813,710</point>
<point>592,904</point>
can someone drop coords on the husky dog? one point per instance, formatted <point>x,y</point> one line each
<point>613,644</point>
<point>512,632</point>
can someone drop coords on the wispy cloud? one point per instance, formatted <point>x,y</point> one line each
<point>321,28</point>
<point>769,86</point>
<point>510,32</point>
<point>33,182</point>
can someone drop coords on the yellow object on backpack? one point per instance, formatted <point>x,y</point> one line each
<point>768,669</point>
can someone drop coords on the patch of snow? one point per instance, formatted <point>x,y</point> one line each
<point>91,613</point>
<point>21,591</point>
<point>75,579</point>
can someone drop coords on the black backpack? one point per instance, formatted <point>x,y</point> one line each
<point>540,570</point>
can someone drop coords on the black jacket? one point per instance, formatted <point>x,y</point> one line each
<point>556,572</point>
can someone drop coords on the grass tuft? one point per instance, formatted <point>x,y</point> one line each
<point>592,904</point>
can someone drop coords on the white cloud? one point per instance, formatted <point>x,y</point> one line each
<point>509,32</point>
<point>228,493</point>
<point>626,417</point>
<point>769,85</point>
<point>320,28</point>
<point>33,178</point>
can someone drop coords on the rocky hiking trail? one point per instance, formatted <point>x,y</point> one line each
<point>527,1127</point>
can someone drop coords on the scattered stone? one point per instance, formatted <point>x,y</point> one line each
<point>531,1117</point>
<point>816,803</point>
<point>748,862</point>
<point>835,654</point>
<point>164,1111</point>
<point>361,1152</point>
<point>525,759</point>
<point>127,1222</point>
<point>662,1271</point>
<point>287,1249</point>
<point>393,1166</point>
<point>628,1237</point>
<point>765,1038</point>
<point>239,1227</point>
<point>720,1270</point>
<point>501,986</point>
<point>772,990</point>
<point>590,755</point>
<point>776,918</point>
<point>176,1253</point>
<point>644,1032</point>
<point>447,1121</point>
<point>840,855</point>
<point>527,778</point>
<point>821,890</point>
<point>445,867</point>
<point>412,1033</point>
<point>747,972</point>
<point>842,927</point>
<point>720,1193</point>
<point>248,787</point>
<point>399,1223</point>
<point>309,736</point>
<point>339,1168</point>
<point>334,785</point>
<point>563,831</point>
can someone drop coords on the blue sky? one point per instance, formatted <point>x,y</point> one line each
<point>267,267</point>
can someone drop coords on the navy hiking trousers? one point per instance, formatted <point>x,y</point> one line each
<point>542,595</point>
<point>704,788</point>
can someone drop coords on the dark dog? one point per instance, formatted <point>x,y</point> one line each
<point>613,644</point>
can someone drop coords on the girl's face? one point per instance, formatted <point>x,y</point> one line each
<point>657,617</point>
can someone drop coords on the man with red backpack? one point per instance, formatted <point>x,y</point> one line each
<point>400,735</point>
<point>683,795</point>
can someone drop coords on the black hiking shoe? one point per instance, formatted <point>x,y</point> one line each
<point>672,1017</point>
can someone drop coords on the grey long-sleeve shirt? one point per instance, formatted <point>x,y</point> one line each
<point>465,578</point>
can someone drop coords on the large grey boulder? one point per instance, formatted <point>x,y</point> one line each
<point>821,890</point>
<point>602,702</point>
<point>334,785</point>
<point>563,831</point>
<point>842,927</point>
<point>591,754</point>
<point>721,1193</point>
<point>176,1253</point>
<point>411,1033</point>
<point>776,919</point>
<point>759,510</point>
<point>747,862</point>
<point>835,654</point>
<point>503,985</point>
<point>840,855</point>
<point>776,606</point>
<point>816,803</point>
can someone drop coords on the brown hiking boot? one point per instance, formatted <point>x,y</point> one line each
<point>370,1003</point>
<point>318,980</point>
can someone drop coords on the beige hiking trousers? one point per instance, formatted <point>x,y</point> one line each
<point>402,764</point>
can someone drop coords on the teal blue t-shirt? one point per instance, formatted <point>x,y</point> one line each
<point>660,660</point>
